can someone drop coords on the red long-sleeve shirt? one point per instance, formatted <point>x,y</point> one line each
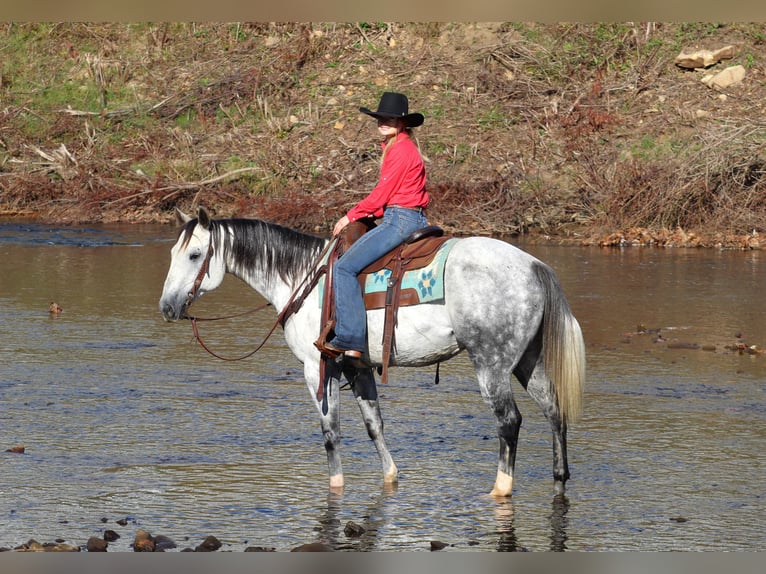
<point>402,181</point>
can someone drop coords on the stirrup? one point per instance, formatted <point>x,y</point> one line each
<point>322,347</point>
<point>328,349</point>
<point>333,351</point>
<point>322,340</point>
<point>351,353</point>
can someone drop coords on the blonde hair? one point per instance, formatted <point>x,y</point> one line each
<point>393,140</point>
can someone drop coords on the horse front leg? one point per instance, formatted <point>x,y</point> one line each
<point>329,417</point>
<point>366,392</point>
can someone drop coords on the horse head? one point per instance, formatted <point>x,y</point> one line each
<point>196,265</point>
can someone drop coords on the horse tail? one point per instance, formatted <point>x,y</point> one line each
<point>563,346</point>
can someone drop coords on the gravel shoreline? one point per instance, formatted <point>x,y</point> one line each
<point>144,541</point>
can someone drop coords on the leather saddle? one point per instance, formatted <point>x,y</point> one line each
<point>417,251</point>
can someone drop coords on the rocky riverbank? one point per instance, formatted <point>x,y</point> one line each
<point>144,541</point>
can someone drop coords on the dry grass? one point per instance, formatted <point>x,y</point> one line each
<point>586,132</point>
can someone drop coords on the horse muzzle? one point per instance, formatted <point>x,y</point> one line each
<point>172,312</point>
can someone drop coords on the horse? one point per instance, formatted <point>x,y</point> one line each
<point>502,306</point>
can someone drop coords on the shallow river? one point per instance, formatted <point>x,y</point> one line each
<point>123,416</point>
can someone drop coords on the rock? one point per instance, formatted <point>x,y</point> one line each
<point>110,535</point>
<point>210,544</point>
<point>142,534</point>
<point>353,530</point>
<point>683,345</point>
<point>259,549</point>
<point>63,548</point>
<point>96,544</point>
<point>725,78</point>
<point>30,545</point>
<point>704,58</point>
<point>162,543</point>
<point>143,541</point>
<point>53,547</point>
<point>438,545</point>
<point>17,449</point>
<point>122,522</point>
<point>34,546</point>
<point>726,53</point>
<point>313,547</point>
<point>145,545</point>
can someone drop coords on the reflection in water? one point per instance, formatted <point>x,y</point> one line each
<point>329,528</point>
<point>506,533</point>
<point>333,532</point>
<point>559,509</point>
<point>507,539</point>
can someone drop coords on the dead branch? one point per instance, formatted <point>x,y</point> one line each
<point>177,187</point>
<point>116,113</point>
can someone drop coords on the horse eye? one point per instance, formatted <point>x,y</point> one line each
<point>194,256</point>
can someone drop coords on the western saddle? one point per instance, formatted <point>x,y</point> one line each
<point>417,251</point>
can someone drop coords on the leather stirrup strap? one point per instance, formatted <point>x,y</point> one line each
<point>327,320</point>
<point>391,311</point>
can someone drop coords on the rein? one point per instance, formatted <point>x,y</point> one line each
<point>293,304</point>
<point>197,336</point>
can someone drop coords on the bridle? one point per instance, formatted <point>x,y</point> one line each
<point>292,306</point>
<point>204,270</point>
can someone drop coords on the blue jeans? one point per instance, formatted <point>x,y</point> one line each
<point>350,314</point>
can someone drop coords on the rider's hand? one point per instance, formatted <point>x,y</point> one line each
<point>342,223</point>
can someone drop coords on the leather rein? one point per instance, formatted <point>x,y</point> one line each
<point>293,304</point>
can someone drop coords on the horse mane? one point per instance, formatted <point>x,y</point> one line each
<point>267,248</point>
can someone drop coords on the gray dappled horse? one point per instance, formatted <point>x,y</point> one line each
<point>502,306</point>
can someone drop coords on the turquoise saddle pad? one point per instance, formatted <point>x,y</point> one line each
<point>428,281</point>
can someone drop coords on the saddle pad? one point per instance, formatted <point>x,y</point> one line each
<point>425,284</point>
<point>427,281</point>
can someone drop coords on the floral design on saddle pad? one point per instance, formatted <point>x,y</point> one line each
<point>428,281</point>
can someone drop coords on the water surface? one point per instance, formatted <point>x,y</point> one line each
<point>123,416</point>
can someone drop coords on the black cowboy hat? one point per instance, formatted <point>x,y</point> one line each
<point>393,105</point>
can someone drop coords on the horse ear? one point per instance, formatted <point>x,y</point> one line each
<point>203,218</point>
<point>181,217</point>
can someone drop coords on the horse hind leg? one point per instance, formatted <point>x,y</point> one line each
<point>366,393</point>
<point>540,388</point>
<point>496,389</point>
